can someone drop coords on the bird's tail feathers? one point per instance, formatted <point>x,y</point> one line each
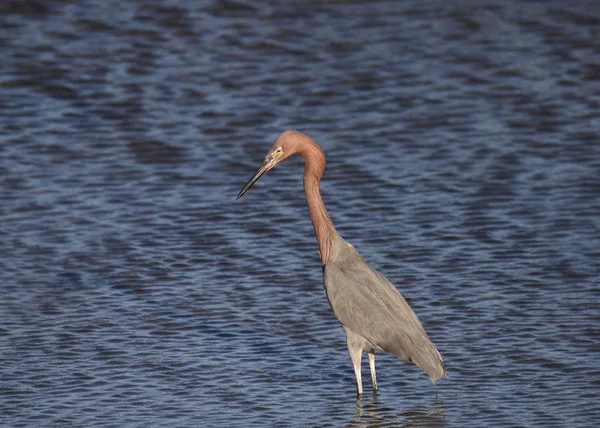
<point>431,363</point>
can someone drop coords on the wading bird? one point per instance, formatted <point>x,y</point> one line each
<point>373,313</point>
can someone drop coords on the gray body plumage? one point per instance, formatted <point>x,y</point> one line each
<point>374,314</point>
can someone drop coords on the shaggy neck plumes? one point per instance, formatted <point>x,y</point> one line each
<point>314,161</point>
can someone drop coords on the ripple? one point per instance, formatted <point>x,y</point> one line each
<point>462,163</point>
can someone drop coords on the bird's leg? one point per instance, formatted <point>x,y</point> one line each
<point>371,356</point>
<point>355,350</point>
<point>356,356</point>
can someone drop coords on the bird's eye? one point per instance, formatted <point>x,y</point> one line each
<point>279,150</point>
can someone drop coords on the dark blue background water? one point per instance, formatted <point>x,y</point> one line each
<point>463,162</point>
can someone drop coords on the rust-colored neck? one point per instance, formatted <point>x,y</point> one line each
<point>314,161</point>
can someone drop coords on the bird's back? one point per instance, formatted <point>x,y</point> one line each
<point>368,304</point>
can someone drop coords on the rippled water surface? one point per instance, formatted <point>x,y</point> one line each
<point>463,162</point>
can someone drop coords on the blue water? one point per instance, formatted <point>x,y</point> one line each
<point>463,163</point>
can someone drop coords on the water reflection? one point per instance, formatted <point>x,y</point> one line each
<point>370,412</point>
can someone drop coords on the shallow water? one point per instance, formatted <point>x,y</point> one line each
<point>463,163</point>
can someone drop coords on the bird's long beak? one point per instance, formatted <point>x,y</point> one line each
<point>268,163</point>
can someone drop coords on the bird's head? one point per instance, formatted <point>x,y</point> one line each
<point>284,146</point>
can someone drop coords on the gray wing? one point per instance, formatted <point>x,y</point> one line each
<point>368,304</point>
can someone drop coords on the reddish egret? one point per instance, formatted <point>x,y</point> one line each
<point>373,313</point>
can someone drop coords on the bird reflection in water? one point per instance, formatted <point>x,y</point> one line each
<point>371,413</point>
